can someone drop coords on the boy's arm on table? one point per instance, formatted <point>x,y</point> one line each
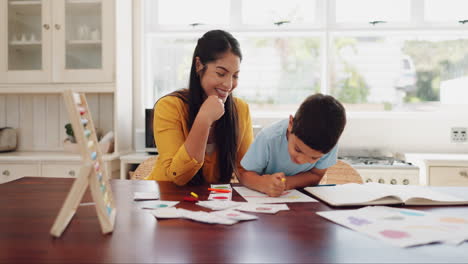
<point>270,184</point>
<point>303,179</point>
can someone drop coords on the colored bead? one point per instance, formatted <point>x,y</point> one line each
<point>82,110</point>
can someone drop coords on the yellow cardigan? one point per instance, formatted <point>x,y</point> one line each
<point>171,130</point>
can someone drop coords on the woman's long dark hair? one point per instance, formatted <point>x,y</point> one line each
<point>209,48</point>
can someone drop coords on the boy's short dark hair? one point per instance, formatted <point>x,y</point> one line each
<point>319,122</point>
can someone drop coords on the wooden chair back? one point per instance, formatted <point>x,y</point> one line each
<point>144,169</point>
<point>341,173</point>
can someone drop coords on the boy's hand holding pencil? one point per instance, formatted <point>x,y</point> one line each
<point>275,184</point>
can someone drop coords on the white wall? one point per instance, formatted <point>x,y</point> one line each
<point>40,118</point>
<point>429,132</point>
<point>392,132</point>
<point>399,132</point>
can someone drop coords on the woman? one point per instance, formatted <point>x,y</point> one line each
<point>203,132</point>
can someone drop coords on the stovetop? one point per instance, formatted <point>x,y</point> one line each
<point>376,161</point>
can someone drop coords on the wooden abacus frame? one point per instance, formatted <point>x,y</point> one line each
<point>92,172</point>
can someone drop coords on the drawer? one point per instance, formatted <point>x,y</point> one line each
<point>448,176</point>
<point>61,170</point>
<point>13,171</point>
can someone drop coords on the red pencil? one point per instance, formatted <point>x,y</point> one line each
<point>219,190</point>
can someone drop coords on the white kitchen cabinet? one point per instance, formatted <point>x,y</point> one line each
<point>83,45</point>
<point>448,176</point>
<point>56,41</point>
<point>15,165</point>
<point>13,171</point>
<point>441,169</point>
<point>60,169</point>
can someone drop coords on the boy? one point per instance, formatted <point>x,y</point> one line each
<point>295,154</point>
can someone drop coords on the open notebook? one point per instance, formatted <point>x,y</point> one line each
<point>352,194</point>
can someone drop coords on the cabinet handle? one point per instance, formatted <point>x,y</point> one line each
<point>6,173</point>
<point>46,26</point>
<point>57,26</point>
<point>463,173</point>
<point>71,173</point>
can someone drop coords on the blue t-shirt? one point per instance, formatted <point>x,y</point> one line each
<point>269,154</point>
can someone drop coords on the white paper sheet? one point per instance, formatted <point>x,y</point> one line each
<point>144,196</point>
<point>151,205</point>
<point>290,196</point>
<point>402,227</point>
<point>262,208</point>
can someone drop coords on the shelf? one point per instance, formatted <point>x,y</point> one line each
<point>19,156</point>
<point>25,8</point>
<point>77,2</point>
<point>84,7</point>
<point>24,3</point>
<point>25,43</point>
<point>84,42</point>
<point>41,88</point>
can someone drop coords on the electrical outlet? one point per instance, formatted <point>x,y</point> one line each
<point>458,135</point>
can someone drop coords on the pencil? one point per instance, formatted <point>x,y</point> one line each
<point>194,194</point>
<point>324,185</point>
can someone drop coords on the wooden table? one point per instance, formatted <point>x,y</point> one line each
<point>28,207</point>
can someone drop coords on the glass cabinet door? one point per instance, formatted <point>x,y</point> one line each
<point>83,32</point>
<point>27,41</point>
<point>83,44</point>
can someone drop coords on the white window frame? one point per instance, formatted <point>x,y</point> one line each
<point>326,25</point>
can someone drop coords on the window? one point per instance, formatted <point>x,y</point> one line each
<point>398,73</point>
<point>268,12</point>
<point>370,10</point>
<point>278,70</point>
<point>446,10</point>
<point>199,11</point>
<point>386,55</point>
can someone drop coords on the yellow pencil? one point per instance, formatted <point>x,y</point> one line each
<point>194,195</point>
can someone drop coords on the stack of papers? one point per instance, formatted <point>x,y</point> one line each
<point>262,208</point>
<point>225,217</point>
<point>145,196</point>
<point>152,205</point>
<point>243,206</point>
<point>402,227</point>
<point>217,196</point>
<point>219,205</point>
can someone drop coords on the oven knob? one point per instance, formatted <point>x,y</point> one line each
<point>381,181</point>
<point>405,182</point>
<point>369,180</point>
<point>393,181</point>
